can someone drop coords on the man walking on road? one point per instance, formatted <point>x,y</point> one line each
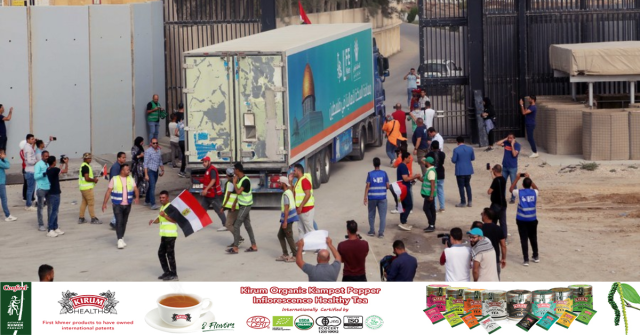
<point>42,181</point>
<point>375,197</point>
<point>168,236</point>
<point>245,200</point>
<point>412,83</point>
<point>323,271</point>
<point>121,158</point>
<point>435,136</point>
<point>404,266</point>
<point>86,183</point>
<point>526,218</point>
<point>530,122</point>
<point>230,204</point>
<point>456,258</point>
<point>495,234</point>
<point>121,189</point>
<point>4,165</point>
<point>463,155</point>
<point>154,114</point>
<point>3,127</point>
<point>400,116</point>
<point>153,169</point>
<point>439,158</point>
<point>428,192</point>
<point>354,251</point>
<point>29,170</point>
<point>303,193</point>
<point>483,254</point>
<point>212,193</point>
<point>403,175</point>
<point>392,129</point>
<point>288,216</point>
<point>510,159</point>
<point>420,141</point>
<point>498,192</point>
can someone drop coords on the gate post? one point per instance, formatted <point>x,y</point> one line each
<point>422,42</point>
<point>268,17</point>
<point>475,14</point>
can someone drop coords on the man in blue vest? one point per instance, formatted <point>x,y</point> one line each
<point>121,191</point>
<point>375,196</point>
<point>526,218</point>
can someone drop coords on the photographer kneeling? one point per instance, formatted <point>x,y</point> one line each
<point>456,258</point>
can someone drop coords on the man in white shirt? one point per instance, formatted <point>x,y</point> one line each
<point>429,114</point>
<point>423,99</point>
<point>435,136</point>
<point>456,258</point>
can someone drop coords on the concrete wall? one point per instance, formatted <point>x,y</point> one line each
<point>385,30</point>
<point>89,79</point>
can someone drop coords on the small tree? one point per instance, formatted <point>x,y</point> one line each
<point>412,15</point>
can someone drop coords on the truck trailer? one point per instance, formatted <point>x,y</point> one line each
<point>308,94</point>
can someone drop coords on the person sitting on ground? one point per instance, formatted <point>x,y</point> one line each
<point>456,258</point>
<point>45,272</point>
<point>323,271</point>
<point>403,267</point>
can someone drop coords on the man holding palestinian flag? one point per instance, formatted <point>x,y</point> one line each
<point>184,211</point>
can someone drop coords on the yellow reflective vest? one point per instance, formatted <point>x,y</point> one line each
<point>85,185</point>
<point>167,229</point>
<point>300,192</point>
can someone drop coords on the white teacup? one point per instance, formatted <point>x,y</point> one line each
<point>183,316</point>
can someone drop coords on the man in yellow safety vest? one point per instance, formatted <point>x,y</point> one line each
<point>87,182</point>
<point>303,193</point>
<point>230,204</point>
<point>245,200</point>
<point>168,235</point>
<point>121,190</point>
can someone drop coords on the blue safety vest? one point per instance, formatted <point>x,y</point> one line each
<point>527,205</point>
<point>118,189</point>
<point>377,185</point>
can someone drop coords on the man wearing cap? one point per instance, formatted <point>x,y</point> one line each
<point>483,256</point>
<point>86,182</point>
<point>153,168</point>
<point>288,215</point>
<point>429,192</point>
<point>212,193</point>
<point>230,204</point>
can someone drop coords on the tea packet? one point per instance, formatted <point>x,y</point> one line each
<point>566,319</point>
<point>527,322</point>
<point>547,321</point>
<point>470,320</point>
<point>586,315</point>
<point>453,318</point>
<point>488,324</point>
<point>433,314</point>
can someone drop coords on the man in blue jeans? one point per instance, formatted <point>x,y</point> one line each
<point>42,180</point>
<point>463,155</point>
<point>375,196</point>
<point>403,175</point>
<point>510,159</point>
<point>4,165</point>
<point>153,168</point>
<point>439,158</point>
<point>412,84</point>
<point>530,122</point>
<point>154,114</point>
<point>30,161</point>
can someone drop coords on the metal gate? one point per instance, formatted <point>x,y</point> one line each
<point>513,47</point>
<point>444,63</point>
<point>192,24</point>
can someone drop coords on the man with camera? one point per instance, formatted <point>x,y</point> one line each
<point>456,258</point>
<point>526,218</point>
<point>510,159</point>
<point>354,251</point>
<point>497,191</point>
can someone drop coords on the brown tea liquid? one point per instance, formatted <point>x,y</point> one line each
<point>179,301</point>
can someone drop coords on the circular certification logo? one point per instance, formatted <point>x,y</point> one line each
<point>303,322</point>
<point>374,322</point>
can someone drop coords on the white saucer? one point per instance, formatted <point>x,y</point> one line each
<point>153,319</point>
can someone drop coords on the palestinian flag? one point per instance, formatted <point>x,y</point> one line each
<point>303,15</point>
<point>188,213</point>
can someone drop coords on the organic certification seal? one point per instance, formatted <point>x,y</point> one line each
<point>374,322</point>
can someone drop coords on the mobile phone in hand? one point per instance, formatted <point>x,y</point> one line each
<point>522,175</point>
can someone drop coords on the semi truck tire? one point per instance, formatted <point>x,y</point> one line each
<point>362,139</point>
<point>325,172</point>
<point>315,170</point>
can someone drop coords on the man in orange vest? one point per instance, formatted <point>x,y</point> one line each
<point>212,193</point>
<point>392,129</point>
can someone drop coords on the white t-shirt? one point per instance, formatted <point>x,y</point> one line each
<point>423,100</point>
<point>516,194</point>
<point>440,140</point>
<point>458,264</point>
<point>429,114</point>
<point>172,132</point>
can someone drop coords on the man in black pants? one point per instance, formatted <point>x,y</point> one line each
<point>123,191</point>
<point>168,235</point>
<point>180,130</point>
<point>3,127</point>
<point>526,219</point>
<point>497,191</point>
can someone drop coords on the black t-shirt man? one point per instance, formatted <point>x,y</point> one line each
<point>54,178</point>
<point>494,233</point>
<point>498,196</point>
<point>439,158</point>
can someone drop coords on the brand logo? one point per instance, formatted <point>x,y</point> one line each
<point>328,324</point>
<point>283,321</point>
<point>583,299</point>
<point>544,305</point>
<point>15,288</point>
<point>520,306</point>
<point>15,301</point>
<point>186,212</point>
<point>72,303</point>
<point>457,301</point>
<point>494,304</point>
<point>258,322</point>
<point>374,322</point>
<point>439,299</point>
<point>353,322</point>
<point>560,302</point>
<point>303,322</point>
<point>214,326</point>
<point>176,317</point>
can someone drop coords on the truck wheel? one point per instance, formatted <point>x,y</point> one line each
<point>362,139</point>
<point>326,165</point>
<point>315,170</point>
<point>378,142</point>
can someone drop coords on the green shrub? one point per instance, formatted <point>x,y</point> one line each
<point>412,15</point>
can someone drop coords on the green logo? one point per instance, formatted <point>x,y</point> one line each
<point>304,322</point>
<point>15,298</point>
<point>374,322</point>
<point>283,321</point>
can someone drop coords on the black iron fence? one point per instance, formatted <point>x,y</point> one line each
<point>515,40</point>
<point>192,24</point>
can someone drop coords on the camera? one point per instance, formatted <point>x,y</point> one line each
<point>445,239</point>
<point>63,158</point>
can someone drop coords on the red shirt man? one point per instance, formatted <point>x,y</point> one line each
<point>401,117</point>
